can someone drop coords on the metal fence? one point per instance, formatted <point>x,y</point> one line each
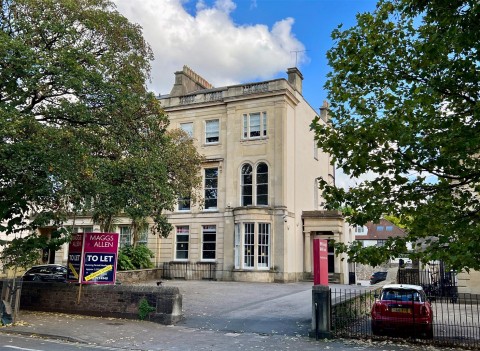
<point>190,270</point>
<point>436,281</point>
<point>455,323</point>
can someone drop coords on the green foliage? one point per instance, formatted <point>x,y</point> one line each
<point>76,120</point>
<point>405,107</point>
<point>134,257</point>
<point>352,309</point>
<point>26,252</point>
<point>124,262</point>
<point>144,309</point>
<point>399,222</point>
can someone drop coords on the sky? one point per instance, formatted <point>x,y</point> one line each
<point>242,41</point>
<point>231,42</point>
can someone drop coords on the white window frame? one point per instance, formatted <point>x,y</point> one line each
<point>237,245</point>
<point>249,124</point>
<point>82,229</point>
<point>187,204</point>
<point>210,189</point>
<point>248,237</point>
<point>143,237</point>
<point>210,230</point>
<point>187,128</point>
<point>360,230</point>
<point>125,235</point>
<point>253,245</point>
<point>254,185</point>
<point>246,186</point>
<point>258,184</point>
<point>214,133</point>
<point>179,231</point>
<point>263,245</point>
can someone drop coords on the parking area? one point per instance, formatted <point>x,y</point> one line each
<point>238,307</point>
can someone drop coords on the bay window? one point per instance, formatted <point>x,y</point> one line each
<point>252,244</point>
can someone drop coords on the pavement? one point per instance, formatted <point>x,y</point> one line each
<point>218,316</point>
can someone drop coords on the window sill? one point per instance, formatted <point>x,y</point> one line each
<point>254,206</point>
<point>256,270</point>
<point>259,140</point>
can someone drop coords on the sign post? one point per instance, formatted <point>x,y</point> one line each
<point>320,262</point>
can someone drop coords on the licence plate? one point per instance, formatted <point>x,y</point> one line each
<point>401,310</point>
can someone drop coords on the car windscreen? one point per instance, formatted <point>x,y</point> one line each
<point>401,295</point>
<point>33,270</point>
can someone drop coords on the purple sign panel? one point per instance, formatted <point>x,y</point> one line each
<point>100,258</point>
<point>74,258</point>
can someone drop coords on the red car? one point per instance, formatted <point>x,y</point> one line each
<point>402,308</point>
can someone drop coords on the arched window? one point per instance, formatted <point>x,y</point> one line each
<point>247,185</point>
<point>262,184</point>
<point>254,185</point>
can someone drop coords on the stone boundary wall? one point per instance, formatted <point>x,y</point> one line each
<point>364,272</point>
<point>139,275</point>
<point>119,301</point>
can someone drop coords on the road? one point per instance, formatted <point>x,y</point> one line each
<point>24,343</point>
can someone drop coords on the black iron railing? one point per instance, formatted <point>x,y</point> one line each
<point>456,322</point>
<point>190,270</point>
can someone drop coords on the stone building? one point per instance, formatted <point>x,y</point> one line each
<point>262,206</point>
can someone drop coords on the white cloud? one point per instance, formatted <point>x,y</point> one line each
<point>210,42</point>
<point>344,181</point>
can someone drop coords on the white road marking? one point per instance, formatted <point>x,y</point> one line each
<point>20,348</point>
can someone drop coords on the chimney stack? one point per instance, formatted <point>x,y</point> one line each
<point>295,78</point>
<point>187,81</point>
<point>324,111</point>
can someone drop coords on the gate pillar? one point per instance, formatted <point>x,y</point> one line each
<point>321,306</point>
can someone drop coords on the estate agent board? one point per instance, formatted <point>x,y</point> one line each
<point>92,258</point>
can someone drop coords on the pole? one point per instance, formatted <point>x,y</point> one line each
<point>80,274</point>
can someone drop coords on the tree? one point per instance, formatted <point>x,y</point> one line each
<point>77,123</point>
<point>404,92</point>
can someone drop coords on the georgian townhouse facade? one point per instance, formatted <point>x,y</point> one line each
<point>259,175</point>
<point>262,207</point>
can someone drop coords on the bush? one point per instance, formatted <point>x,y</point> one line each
<point>144,309</point>
<point>137,257</point>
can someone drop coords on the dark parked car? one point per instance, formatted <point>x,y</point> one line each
<point>378,277</point>
<point>46,273</point>
<point>402,308</point>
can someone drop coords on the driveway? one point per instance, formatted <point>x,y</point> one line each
<point>239,307</point>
